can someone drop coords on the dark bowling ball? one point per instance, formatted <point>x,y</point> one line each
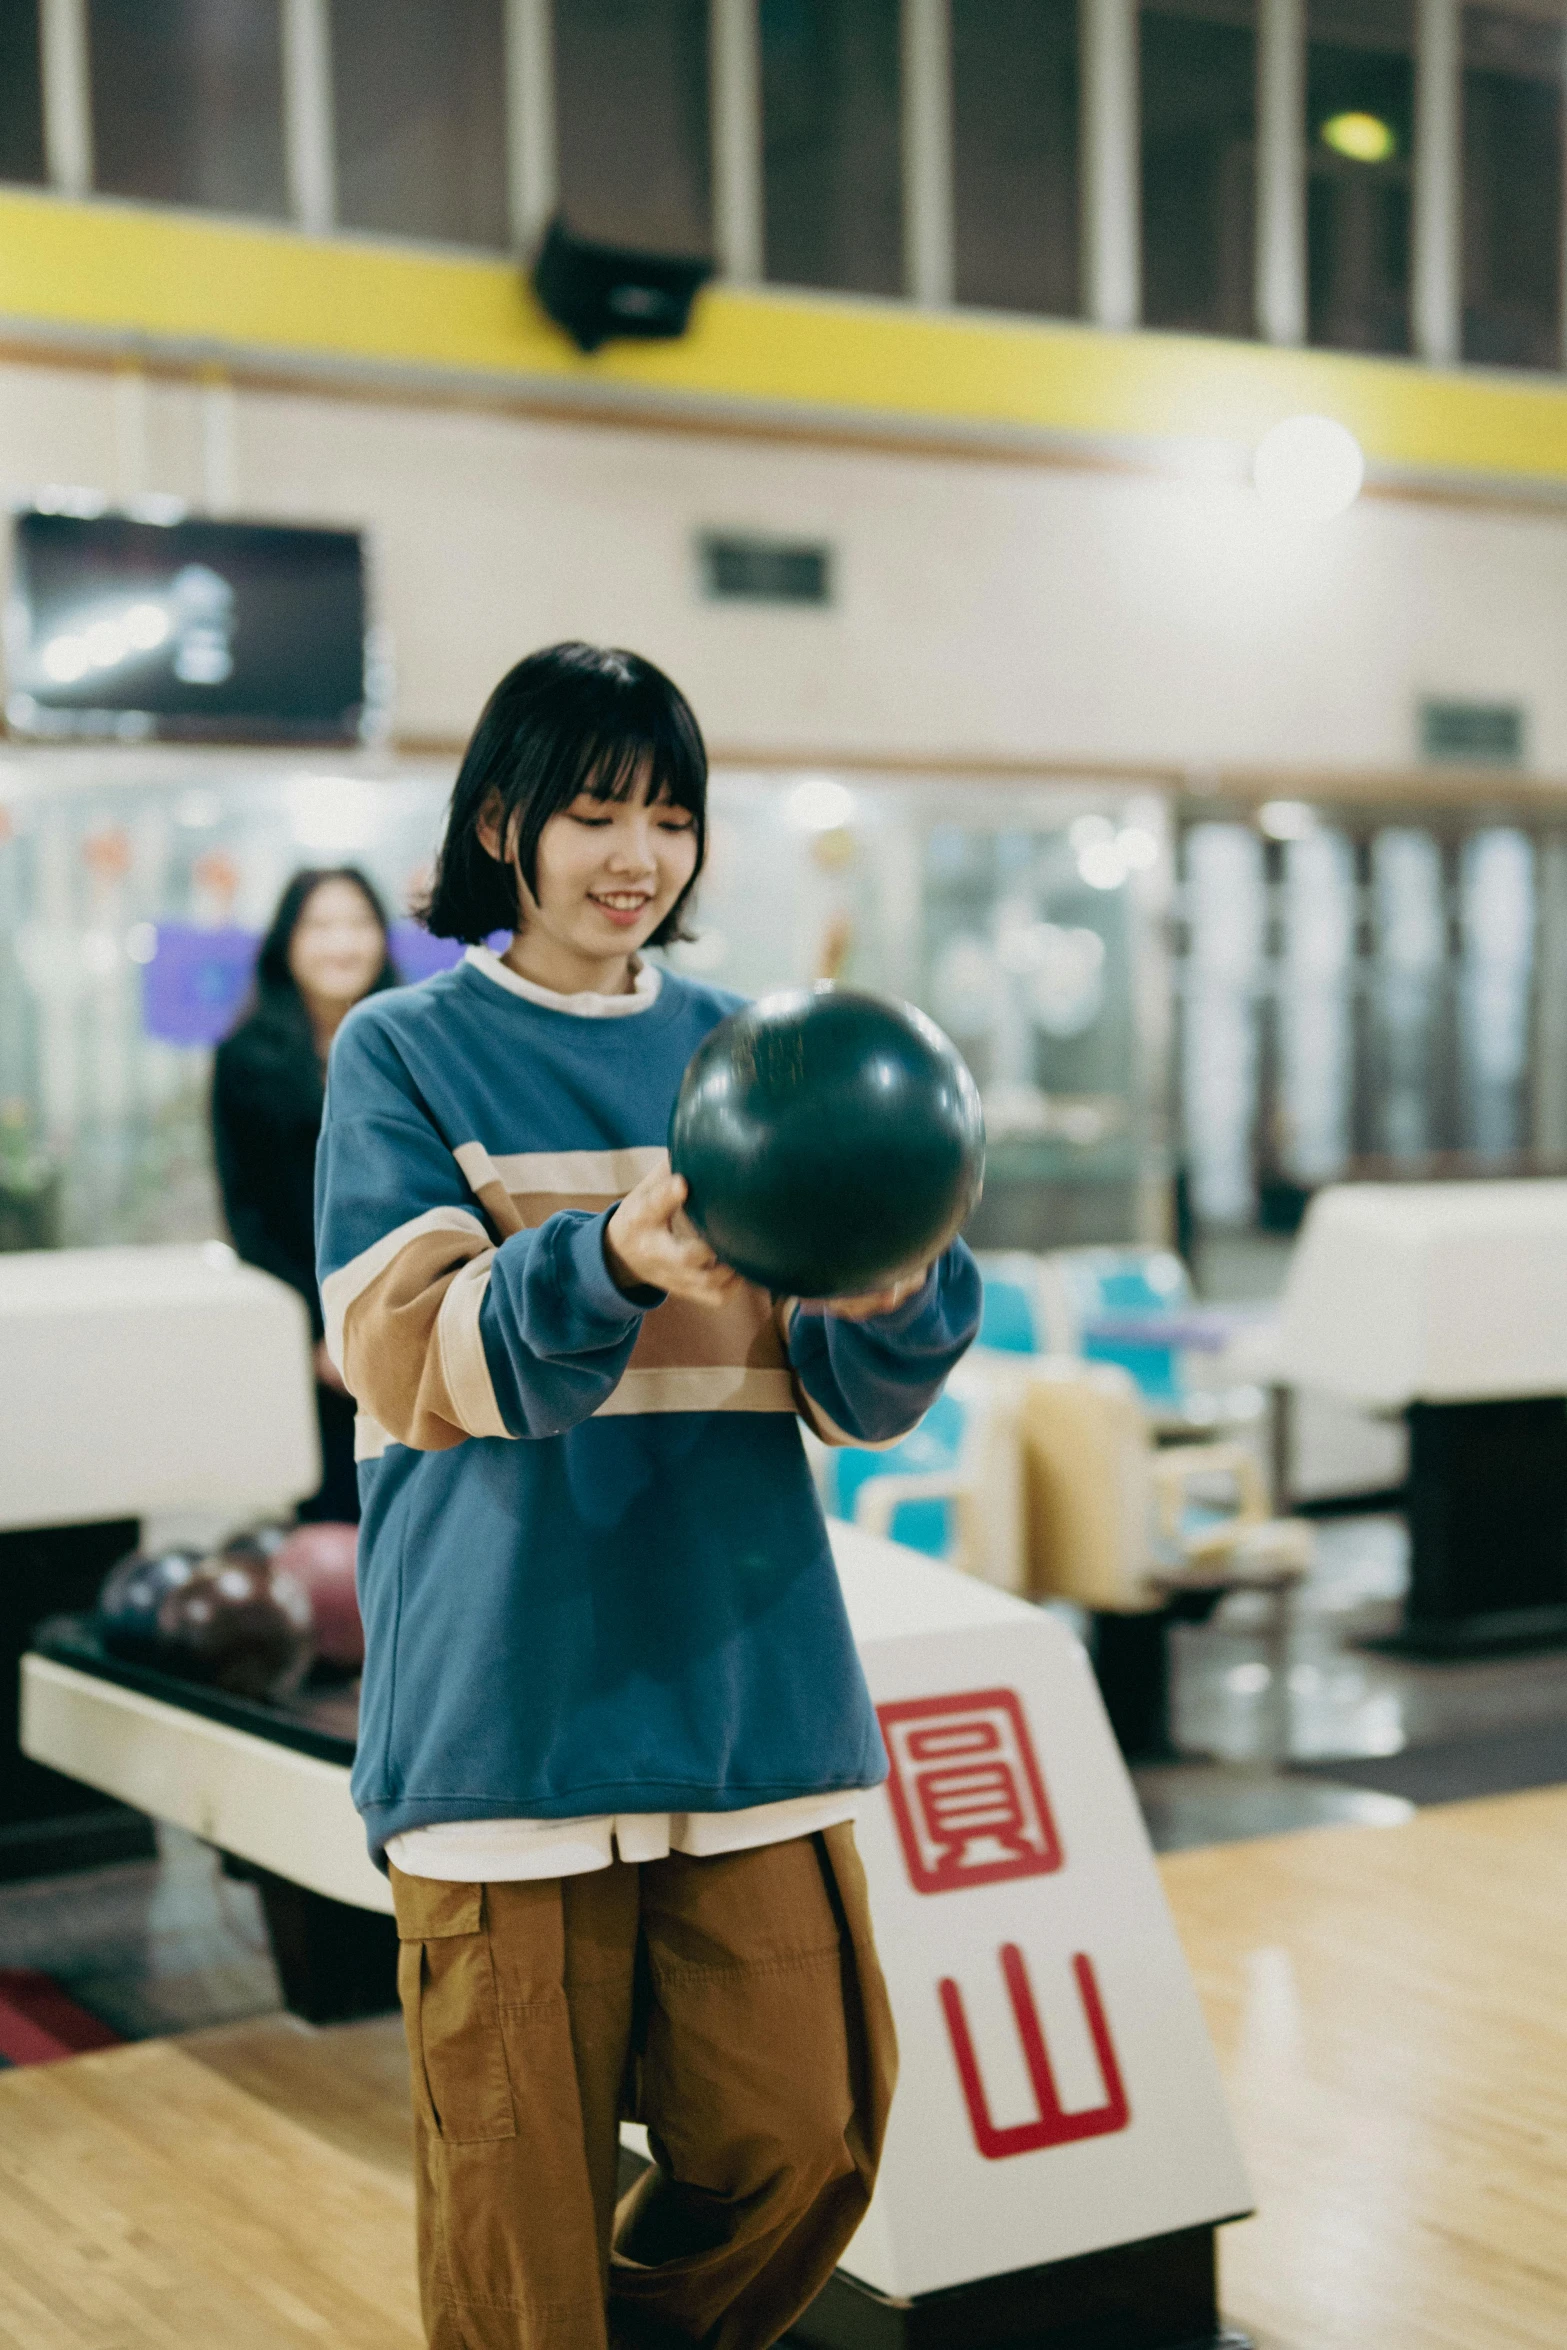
<point>322,1557</point>
<point>239,1623</point>
<point>255,1542</point>
<point>830,1140</point>
<point>131,1595</point>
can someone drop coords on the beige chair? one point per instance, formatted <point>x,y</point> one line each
<point>1187,1383</point>
<point>1125,1530</point>
<point>1059,1492</point>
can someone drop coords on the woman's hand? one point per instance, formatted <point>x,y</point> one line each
<point>649,1243</point>
<point>864,1309</point>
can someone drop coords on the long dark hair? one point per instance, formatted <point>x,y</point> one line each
<point>276,1008</point>
<point>574,718</point>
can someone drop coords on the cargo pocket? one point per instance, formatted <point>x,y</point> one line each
<point>446,1981</point>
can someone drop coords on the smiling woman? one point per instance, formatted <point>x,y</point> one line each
<point>606,1657</point>
<point>325,951</point>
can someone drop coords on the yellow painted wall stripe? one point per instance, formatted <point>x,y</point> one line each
<point>182,279</point>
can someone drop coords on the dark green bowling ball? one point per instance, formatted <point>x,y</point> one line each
<point>132,1593</point>
<point>830,1141</point>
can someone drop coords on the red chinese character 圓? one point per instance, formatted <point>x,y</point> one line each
<point>966,1791</point>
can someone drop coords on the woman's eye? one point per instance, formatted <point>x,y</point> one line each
<point>593,823</point>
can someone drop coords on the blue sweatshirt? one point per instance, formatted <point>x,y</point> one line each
<point>593,1569</point>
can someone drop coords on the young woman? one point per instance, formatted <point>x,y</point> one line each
<point>325,951</point>
<point>614,1730</point>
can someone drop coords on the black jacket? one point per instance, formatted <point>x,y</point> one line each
<point>267,1095</point>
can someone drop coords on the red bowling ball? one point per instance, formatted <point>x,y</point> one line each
<point>323,1559</point>
<point>240,1623</point>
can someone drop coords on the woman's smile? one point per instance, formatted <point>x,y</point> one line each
<point>623,907</point>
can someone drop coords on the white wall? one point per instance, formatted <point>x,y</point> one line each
<point>984,608</point>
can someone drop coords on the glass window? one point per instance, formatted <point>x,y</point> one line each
<point>1014,154</point>
<point>1405,995</point>
<point>187,102</point>
<point>632,122</point>
<point>1198,78</point>
<point>1221,1067</point>
<point>1512,190</point>
<point>419,95</point>
<point>1360,127</point>
<point>21,93</point>
<point>1314,1008</point>
<point>1495,990</point>
<point>831,143</point>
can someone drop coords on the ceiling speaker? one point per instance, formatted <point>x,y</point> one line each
<point>601,293</point>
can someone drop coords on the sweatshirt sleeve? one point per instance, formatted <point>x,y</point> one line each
<point>440,1332</point>
<point>869,1383</point>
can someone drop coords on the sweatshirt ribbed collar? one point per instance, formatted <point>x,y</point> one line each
<point>586,1006</point>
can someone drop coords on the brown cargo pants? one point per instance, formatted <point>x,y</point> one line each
<point>733,2004</point>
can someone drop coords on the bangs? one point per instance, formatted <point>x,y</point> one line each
<point>613,770</point>
<point>638,734</point>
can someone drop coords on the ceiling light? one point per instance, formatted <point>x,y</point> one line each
<point>1101,865</point>
<point>1287,819</point>
<point>64,659</point>
<point>336,815</point>
<point>1361,138</point>
<point>820,804</point>
<point>1308,469</point>
<point>146,626</point>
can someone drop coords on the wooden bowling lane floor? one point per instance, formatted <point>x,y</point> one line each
<point>1390,2010</point>
<point>1389,2005</point>
<point>248,2187</point>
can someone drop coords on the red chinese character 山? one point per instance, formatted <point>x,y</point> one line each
<point>1054,2125</point>
<point>966,1791</point>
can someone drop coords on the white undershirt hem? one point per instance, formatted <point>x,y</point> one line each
<point>492,1852</point>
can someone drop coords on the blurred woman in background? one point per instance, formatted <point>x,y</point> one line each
<point>325,951</point>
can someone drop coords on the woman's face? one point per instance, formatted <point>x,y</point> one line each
<point>337,947</point>
<point>609,872</point>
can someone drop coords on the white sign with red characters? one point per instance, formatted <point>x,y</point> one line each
<point>1057,2089</point>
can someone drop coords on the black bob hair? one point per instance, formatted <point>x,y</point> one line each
<point>571,719</point>
<point>277,1004</point>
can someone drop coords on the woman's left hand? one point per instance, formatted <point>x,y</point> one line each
<point>865,1309</point>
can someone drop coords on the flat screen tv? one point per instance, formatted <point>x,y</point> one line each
<point>194,631</point>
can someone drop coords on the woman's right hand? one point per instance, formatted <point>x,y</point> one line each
<point>649,1243</point>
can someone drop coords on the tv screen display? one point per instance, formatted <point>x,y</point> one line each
<point>185,631</point>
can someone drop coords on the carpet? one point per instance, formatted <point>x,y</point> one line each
<point>40,2023</point>
<point>1503,1762</point>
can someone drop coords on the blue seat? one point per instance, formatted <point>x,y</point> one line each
<point>1011,1320</point>
<point>933,1448</point>
<point>1093,1287</point>
<point>1049,1305</point>
<point>1007,1318</point>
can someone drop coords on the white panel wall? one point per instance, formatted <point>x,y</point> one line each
<point>984,608</point>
